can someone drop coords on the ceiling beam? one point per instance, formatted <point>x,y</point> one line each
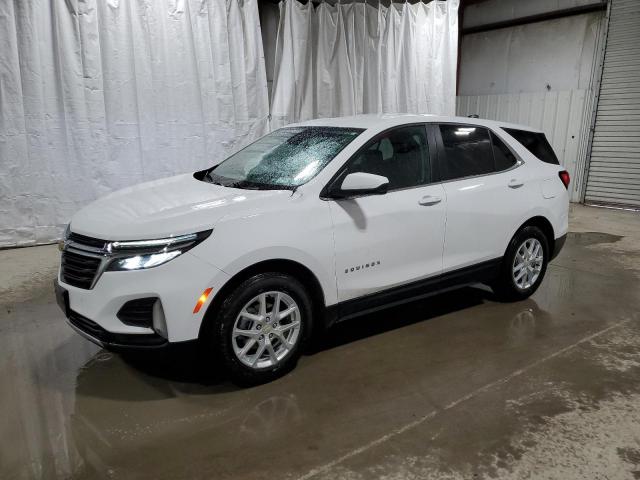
<point>540,17</point>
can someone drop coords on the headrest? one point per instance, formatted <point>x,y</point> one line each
<point>372,157</point>
<point>403,142</point>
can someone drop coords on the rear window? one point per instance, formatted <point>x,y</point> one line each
<point>536,143</point>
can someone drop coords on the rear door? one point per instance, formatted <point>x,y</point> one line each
<point>487,191</point>
<point>384,241</point>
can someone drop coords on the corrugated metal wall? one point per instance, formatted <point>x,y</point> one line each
<point>614,167</point>
<point>561,115</point>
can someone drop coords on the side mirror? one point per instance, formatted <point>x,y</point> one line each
<point>360,183</point>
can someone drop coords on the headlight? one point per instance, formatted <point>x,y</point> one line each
<point>139,254</point>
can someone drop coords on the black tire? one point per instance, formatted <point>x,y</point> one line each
<point>505,286</point>
<point>220,338</point>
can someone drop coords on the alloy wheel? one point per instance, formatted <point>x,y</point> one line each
<point>266,330</point>
<point>527,263</point>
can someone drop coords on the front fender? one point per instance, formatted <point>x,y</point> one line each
<point>323,273</point>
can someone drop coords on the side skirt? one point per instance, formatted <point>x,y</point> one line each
<point>482,272</point>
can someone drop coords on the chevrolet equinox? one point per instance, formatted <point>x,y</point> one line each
<point>311,224</point>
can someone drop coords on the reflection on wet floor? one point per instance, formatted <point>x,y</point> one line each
<point>453,385</point>
<point>591,238</point>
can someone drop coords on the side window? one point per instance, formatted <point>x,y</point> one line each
<point>536,143</point>
<point>401,155</point>
<point>503,157</point>
<point>468,151</point>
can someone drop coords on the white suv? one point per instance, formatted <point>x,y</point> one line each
<point>314,223</point>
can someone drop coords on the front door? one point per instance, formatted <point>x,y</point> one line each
<point>384,241</point>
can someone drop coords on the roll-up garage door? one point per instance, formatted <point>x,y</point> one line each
<point>614,169</point>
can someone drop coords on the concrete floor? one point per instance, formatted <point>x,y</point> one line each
<point>455,387</point>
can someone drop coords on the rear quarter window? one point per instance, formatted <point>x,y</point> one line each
<point>536,143</point>
<point>504,159</point>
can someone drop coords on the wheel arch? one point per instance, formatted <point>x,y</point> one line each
<point>543,224</point>
<point>504,283</point>
<point>297,270</point>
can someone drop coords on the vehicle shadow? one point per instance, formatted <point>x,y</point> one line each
<point>393,318</point>
<point>186,364</point>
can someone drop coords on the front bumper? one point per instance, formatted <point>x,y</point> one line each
<point>98,335</point>
<point>115,341</point>
<point>177,285</point>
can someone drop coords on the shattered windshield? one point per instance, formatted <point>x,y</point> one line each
<point>283,159</point>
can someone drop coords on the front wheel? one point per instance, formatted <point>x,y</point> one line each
<point>523,266</point>
<point>262,327</point>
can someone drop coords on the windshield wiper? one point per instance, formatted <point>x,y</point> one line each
<point>243,184</point>
<point>210,179</point>
<point>263,186</point>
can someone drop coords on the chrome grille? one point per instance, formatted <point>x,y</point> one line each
<point>82,240</point>
<point>81,260</point>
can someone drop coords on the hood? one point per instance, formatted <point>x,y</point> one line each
<point>166,207</point>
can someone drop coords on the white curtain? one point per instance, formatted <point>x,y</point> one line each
<point>351,58</point>
<point>96,95</point>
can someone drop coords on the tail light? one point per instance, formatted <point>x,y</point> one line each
<point>564,177</point>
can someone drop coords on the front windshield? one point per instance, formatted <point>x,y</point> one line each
<point>283,159</point>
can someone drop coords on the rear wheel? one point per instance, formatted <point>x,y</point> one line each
<point>262,327</point>
<point>523,266</point>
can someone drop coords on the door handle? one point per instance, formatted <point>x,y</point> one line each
<point>428,200</point>
<point>515,183</point>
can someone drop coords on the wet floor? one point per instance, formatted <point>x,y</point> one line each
<point>457,386</point>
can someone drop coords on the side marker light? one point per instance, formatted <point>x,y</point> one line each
<point>201,301</point>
